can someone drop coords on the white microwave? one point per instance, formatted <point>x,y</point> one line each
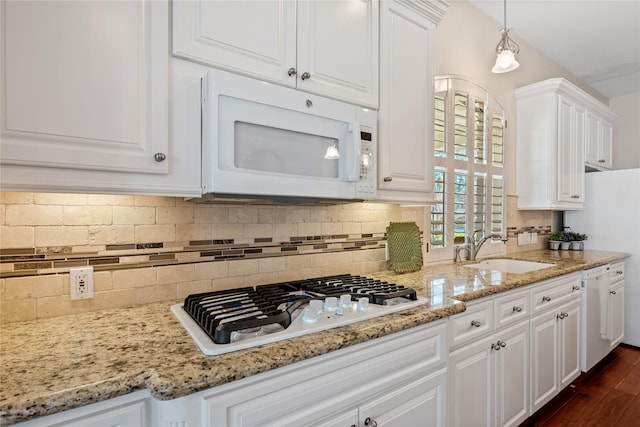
<point>266,142</point>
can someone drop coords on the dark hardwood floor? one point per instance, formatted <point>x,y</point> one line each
<point>607,395</point>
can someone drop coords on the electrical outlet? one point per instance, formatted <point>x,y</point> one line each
<point>81,283</point>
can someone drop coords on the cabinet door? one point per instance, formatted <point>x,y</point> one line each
<point>571,120</point>
<point>544,358</point>
<point>406,106</point>
<point>616,313</point>
<point>592,138</point>
<point>81,92</point>
<point>605,159</point>
<point>471,387</point>
<point>569,345</point>
<point>421,402</point>
<point>256,38</point>
<point>337,53</point>
<point>512,375</point>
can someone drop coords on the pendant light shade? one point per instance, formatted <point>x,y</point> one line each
<point>506,50</point>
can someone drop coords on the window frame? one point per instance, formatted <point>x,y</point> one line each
<point>490,109</point>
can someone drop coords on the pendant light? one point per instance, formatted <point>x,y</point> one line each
<point>506,50</point>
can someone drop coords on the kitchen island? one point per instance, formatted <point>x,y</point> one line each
<point>52,365</point>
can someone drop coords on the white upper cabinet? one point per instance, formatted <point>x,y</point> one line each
<point>599,142</point>
<point>556,123</point>
<point>405,125</point>
<point>85,100</point>
<point>328,48</point>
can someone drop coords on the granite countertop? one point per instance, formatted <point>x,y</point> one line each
<point>51,365</point>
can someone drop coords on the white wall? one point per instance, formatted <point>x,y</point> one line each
<point>626,131</point>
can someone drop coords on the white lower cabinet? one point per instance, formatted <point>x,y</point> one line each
<point>396,380</point>
<point>555,351</point>
<point>132,410</point>
<point>489,379</point>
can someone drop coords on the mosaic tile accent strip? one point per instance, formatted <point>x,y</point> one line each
<point>17,262</point>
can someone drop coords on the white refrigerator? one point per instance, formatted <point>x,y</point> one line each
<point>611,219</point>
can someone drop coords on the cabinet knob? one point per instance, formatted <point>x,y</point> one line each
<point>517,309</point>
<point>562,315</point>
<point>601,161</point>
<point>502,344</point>
<point>612,292</point>
<point>305,76</point>
<point>160,157</point>
<point>370,423</point>
<point>309,103</point>
<point>619,272</point>
<point>292,72</point>
<point>576,288</point>
<point>547,299</point>
<point>475,323</point>
<point>495,346</point>
<point>387,179</point>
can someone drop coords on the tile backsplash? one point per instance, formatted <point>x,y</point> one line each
<point>147,249</point>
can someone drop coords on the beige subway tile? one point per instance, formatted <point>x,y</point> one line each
<point>33,215</point>
<point>211,214</point>
<point>3,211</point>
<point>155,201</point>
<point>284,230</point>
<point>331,228</point>
<point>17,288</point>
<point>61,236</point>
<point>176,273</point>
<point>269,265</point>
<point>272,215</point>
<point>134,215</point>
<point>228,283</point>
<point>243,267</point>
<point>309,229</point>
<point>253,231</point>
<point>134,278</point>
<point>102,281</point>
<point>195,287</point>
<point>60,199</point>
<point>297,262</point>
<point>243,215</point>
<point>228,231</point>
<point>331,258</point>
<point>343,215</point>
<point>17,237</point>
<point>2,289</point>
<point>352,228</point>
<point>167,292</point>
<point>261,279</point>
<point>374,227</point>
<point>211,270</point>
<point>87,215</point>
<point>155,233</point>
<point>59,306</point>
<point>111,235</point>
<point>174,215</point>
<point>110,200</point>
<point>368,255</point>
<point>186,232</point>
<point>317,214</point>
<point>17,311</point>
<point>16,198</point>
<point>296,215</point>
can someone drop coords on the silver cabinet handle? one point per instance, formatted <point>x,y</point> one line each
<point>370,423</point>
<point>576,288</point>
<point>546,299</point>
<point>305,76</point>
<point>562,315</point>
<point>475,323</point>
<point>498,345</point>
<point>612,292</point>
<point>387,179</point>
<point>292,72</point>
<point>502,344</point>
<point>601,161</point>
<point>495,346</point>
<point>309,103</point>
<point>517,309</point>
<point>619,272</point>
<point>160,157</point>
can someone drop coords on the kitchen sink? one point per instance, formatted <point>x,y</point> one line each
<point>510,265</point>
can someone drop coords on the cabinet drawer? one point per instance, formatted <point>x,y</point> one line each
<point>511,308</point>
<point>617,271</point>
<point>554,292</point>
<point>476,321</point>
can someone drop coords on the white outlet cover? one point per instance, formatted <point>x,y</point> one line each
<point>81,283</point>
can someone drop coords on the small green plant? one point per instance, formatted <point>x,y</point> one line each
<point>557,236</point>
<point>580,237</point>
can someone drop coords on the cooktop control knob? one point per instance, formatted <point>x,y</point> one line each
<point>345,301</point>
<point>309,315</point>
<point>363,304</point>
<point>316,305</point>
<point>330,304</point>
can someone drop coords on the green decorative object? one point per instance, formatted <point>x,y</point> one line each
<point>405,248</point>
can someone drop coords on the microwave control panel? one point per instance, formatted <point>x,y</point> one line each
<point>367,180</point>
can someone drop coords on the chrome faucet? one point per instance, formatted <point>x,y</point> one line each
<point>473,244</point>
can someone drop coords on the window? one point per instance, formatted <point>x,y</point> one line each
<point>468,167</point>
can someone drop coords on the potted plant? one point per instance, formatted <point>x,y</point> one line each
<point>555,237</point>
<point>577,244</point>
<point>567,238</point>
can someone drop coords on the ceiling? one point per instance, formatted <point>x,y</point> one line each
<point>596,40</point>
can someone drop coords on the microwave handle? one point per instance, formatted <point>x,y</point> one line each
<point>354,128</point>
